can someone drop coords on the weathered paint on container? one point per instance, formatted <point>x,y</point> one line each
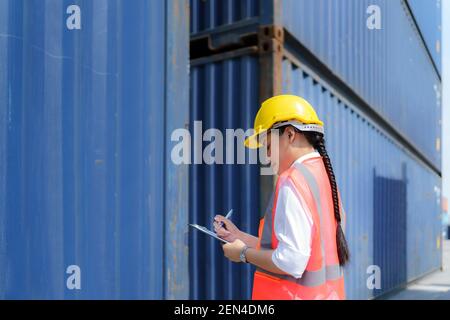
<point>84,174</point>
<point>85,120</point>
<point>389,68</point>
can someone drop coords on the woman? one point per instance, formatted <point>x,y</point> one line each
<point>301,247</point>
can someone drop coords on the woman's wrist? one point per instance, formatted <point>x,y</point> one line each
<point>244,237</point>
<point>248,239</point>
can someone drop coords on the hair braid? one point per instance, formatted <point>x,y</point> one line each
<point>318,142</point>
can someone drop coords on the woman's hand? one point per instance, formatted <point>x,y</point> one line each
<point>228,231</point>
<point>233,250</point>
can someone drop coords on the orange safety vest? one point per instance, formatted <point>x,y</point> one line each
<point>323,277</point>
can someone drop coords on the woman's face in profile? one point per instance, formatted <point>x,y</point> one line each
<point>277,146</point>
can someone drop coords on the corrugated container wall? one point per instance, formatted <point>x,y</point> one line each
<point>372,88</point>
<point>391,198</point>
<point>388,67</point>
<point>210,14</point>
<point>87,97</point>
<point>224,95</point>
<point>427,14</point>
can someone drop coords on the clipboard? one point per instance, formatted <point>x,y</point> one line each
<point>208,232</point>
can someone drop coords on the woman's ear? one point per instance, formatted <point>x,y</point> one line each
<point>291,134</point>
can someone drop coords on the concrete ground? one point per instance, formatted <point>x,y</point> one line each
<point>435,286</point>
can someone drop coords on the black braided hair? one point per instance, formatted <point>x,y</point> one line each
<point>318,142</point>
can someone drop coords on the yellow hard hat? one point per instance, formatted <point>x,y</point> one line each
<point>282,110</point>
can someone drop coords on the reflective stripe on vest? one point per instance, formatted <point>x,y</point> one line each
<point>309,278</point>
<point>266,239</point>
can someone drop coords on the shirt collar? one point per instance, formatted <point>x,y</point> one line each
<point>313,154</point>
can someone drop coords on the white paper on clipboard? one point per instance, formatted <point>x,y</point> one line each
<point>208,232</point>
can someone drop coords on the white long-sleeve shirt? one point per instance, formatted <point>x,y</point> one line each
<point>293,228</point>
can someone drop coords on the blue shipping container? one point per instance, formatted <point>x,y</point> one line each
<point>87,97</point>
<point>390,194</point>
<point>428,16</point>
<point>389,68</point>
<point>206,15</point>
<point>390,197</point>
<point>224,95</point>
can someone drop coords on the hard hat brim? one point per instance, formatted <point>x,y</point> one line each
<point>252,141</point>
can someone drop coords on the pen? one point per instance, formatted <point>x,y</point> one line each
<point>227,216</point>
